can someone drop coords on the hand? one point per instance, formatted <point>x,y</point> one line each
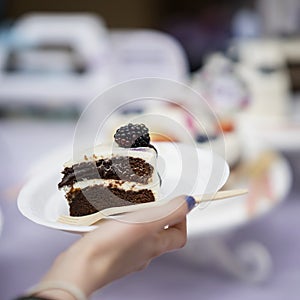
<point>119,247</point>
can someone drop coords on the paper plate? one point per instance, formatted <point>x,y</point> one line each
<point>184,169</point>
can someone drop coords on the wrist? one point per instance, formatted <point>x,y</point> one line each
<point>77,266</point>
<point>55,294</point>
<point>57,290</point>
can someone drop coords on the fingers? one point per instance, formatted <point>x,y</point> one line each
<point>168,213</point>
<point>174,237</point>
<point>154,220</point>
<point>174,211</point>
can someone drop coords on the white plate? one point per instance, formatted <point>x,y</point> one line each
<point>184,170</point>
<point>224,215</point>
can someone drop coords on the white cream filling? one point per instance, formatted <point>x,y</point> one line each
<point>154,186</point>
<point>109,151</point>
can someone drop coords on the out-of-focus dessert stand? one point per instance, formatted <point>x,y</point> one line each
<point>90,60</point>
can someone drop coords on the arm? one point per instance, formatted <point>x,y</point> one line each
<point>117,248</point>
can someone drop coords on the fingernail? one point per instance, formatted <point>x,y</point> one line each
<point>190,202</point>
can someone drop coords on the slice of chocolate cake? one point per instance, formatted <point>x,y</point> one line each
<point>111,176</point>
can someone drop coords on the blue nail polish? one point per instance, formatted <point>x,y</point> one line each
<point>190,202</point>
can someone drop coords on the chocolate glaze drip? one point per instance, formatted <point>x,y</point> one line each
<point>118,168</point>
<point>152,147</point>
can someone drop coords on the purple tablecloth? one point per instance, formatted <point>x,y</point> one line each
<point>27,249</point>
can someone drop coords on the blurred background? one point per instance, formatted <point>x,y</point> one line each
<point>242,56</point>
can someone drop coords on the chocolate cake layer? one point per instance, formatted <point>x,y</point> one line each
<point>126,168</point>
<point>94,198</point>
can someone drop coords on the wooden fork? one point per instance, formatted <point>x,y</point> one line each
<point>93,218</point>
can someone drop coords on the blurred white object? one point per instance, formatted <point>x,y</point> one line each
<point>262,65</point>
<point>259,133</point>
<point>147,53</point>
<point>41,49</point>
<point>290,48</point>
<point>280,17</point>
<point>248,261</point>
<point>223,216</point>
<point>220,84</point>
<point>69,59</point>
<point>271,69</point>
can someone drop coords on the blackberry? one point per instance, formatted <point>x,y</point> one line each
<point>133,136</point>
